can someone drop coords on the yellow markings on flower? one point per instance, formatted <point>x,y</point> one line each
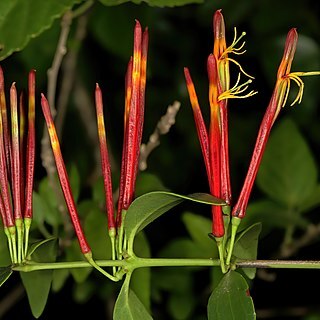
<point>54,139</point>
<point>101,129</point>
<point>14,112</point>
<point>143,73</point>
<point>236,91</point>
<point>193,96</point>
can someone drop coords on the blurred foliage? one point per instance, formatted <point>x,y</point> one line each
<point>286,200</point>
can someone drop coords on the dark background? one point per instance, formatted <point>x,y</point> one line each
<point>182,37</point>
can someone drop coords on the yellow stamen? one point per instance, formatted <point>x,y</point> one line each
<point>232,48</point>
<point>294,76</point>
<point>236,90</point>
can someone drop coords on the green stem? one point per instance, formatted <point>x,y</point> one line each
<point>279,264</point>
<point>88,256</point>
<point>135,262</point>
<point>121,234</point>
<point>7,233</point>
<point>27,225</point>
<point>82,9</point>
<point>12,231</point>
<point>112,235</point>
<point>234,227</point>
<point>19,227</point>
<point>220,246</point>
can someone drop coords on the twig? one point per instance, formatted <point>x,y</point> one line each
<point>69,68</point>
<point>57,60</point>
<point>163,127</point>
<point>46,152</point>
<point>289,249</point>
<point>312,233</point>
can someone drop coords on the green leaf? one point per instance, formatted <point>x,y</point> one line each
<point>181,248</point>
<point>147,182</point>
<point>141,278</point>
<point>128,306</point>
<point>59,278</point>
<point>5,273</point>
<point>288,172</point>
<point>98,193</point>
<point>178,283</point>
<point>150,206</point>
<point>38,283</point>
<point>153,3</point>
<point>182,305</point>
<point>96,230</point>
<point>44,212</point>
<point>246,247</point>
<point>231,299</point>
<point>312,201</point>
<point>22,20</point>
<point>34,246</point>
<point>4,250</point>
<point>82,292</point>
<point>102,27</point>
<point>271,215</point>
<point>199,227</point>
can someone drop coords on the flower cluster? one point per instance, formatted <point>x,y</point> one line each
<point>214,142</point>
<point>135,83</point>
<point>17,154</point>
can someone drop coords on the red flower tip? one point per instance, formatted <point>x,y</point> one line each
<point>218,25</point>
<point>288,55</point>
<point>219,34</point>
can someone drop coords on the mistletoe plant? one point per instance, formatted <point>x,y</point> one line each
<point>237,250</point>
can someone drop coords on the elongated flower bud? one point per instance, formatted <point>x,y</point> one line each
<point>16,177</point>
<point>105,163</point>
<point>133,120</point>
<point>200,125</point>
<point>215,145</point>
<point>277,101</point>
<point>31,146</point>
<point>63,177</point>
<point>132,125</point>
<point>219,50</point>
<point>5,125</point>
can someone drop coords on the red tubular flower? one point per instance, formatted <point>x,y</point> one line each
<point>22,131</point>
<point>30,152</point>
<point>6,136</point>
<point>131,130</point>
<point>210,142</point>
<point>200,125</point>
<point>16,168</point>
<point>277,101</point>
<point>64,179</point>
<point>6,208</point>
<point>105,163</point>
<point>128,92</point>
<point>133,119</point>
<point>16,176</point>
<point>215,145</point>
<point>219,51</point>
